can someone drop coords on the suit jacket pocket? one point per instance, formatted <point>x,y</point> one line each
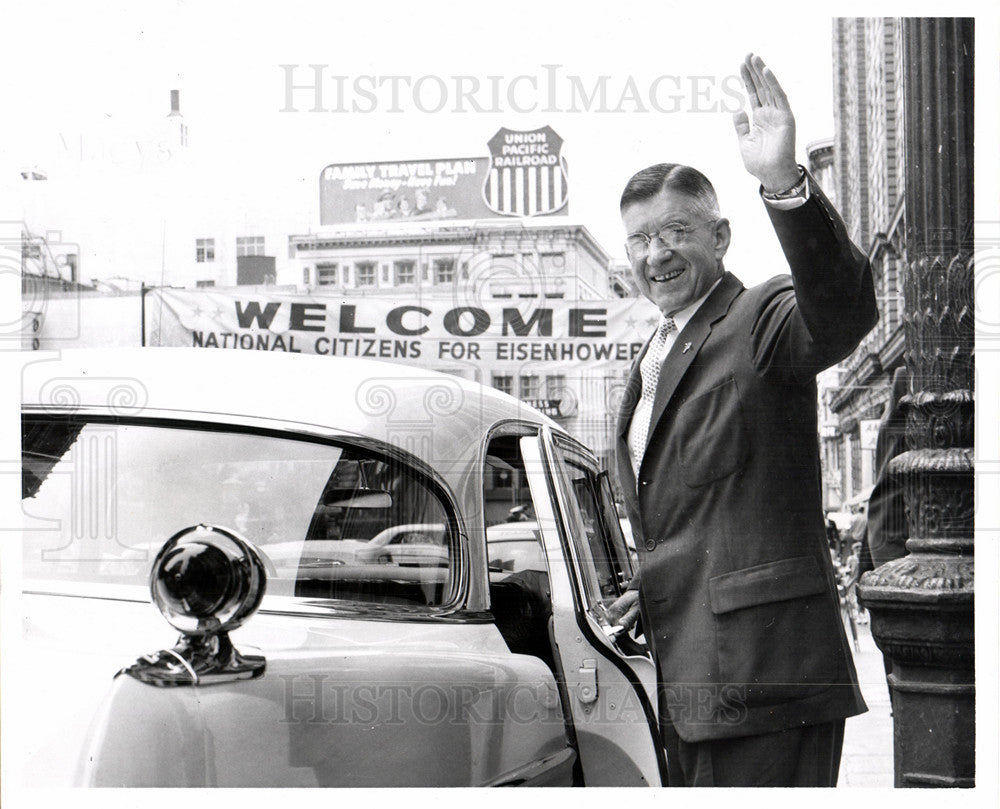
<point>778,630</point>
<point>714,442</point>
<point>774,581</point>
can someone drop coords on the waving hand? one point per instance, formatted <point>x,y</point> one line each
<point>767,143</point>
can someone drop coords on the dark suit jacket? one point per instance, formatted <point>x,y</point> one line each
<point>737,591</point>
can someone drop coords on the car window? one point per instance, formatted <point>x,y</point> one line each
<point>512,547</point>
<point>331,521</point>
<point>594,529</point>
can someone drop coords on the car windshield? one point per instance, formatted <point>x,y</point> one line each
<point>331,521</point>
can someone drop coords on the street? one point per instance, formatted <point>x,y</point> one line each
<point>867,757</point>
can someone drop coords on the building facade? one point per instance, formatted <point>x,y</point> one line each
<point>527,263</point>
<point>867,173</point>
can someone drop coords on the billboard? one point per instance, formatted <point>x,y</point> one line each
<point>524,175</point>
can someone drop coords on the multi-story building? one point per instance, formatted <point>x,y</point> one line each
<point>486,259</point>
<point>527,263</point>
<point>868,182</point>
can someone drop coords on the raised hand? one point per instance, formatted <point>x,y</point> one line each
<point>768,143</point>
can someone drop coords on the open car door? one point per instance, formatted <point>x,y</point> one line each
<point>610,677</point>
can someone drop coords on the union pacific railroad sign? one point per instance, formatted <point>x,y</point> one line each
<point>527,173</point>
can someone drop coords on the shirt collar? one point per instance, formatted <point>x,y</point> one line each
<point>682,317</point>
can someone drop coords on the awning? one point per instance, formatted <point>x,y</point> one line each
<point>859,498</point>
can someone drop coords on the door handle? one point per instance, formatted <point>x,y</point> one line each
<point>586,686</point>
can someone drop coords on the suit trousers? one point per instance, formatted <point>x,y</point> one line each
<point>807,756</point>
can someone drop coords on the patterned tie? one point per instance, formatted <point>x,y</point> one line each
<point>649,370</point>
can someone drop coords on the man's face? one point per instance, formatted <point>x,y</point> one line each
<point>676,274</point>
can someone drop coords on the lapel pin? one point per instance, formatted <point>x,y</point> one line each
<point>687,348</point>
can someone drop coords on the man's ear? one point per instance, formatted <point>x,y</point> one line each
<point>723,233</point>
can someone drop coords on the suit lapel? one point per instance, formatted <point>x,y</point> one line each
<point>689,342</point>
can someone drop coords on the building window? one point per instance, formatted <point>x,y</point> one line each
<point>204,284</point>
<point>204,250</point>
<point>405,272</point>
<point>555,386</point>
<point>552,263</point>
<point>530,387</point>
<point>365,273</point>
<point>326,275</point>
<point>504,384</point>
<point>444,271</point>
<point>249,246</point>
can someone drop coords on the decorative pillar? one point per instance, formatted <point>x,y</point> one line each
<point>922,604</point>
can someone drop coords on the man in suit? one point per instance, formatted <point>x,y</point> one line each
<point>719,461</point>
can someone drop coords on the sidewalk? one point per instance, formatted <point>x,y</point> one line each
<point>867,757</point>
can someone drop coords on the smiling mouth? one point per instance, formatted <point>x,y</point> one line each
<point>665,277</point>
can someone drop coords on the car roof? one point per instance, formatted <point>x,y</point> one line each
<point>438,417</point>
<point>522,529</point>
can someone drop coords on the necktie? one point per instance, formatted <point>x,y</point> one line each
<point>649,370</point>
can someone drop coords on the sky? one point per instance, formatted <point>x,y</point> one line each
<point>95,85</point>
<point>91,85</point>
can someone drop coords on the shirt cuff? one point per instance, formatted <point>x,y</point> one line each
<point>791,202</point>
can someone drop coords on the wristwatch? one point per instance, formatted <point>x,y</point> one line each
<point>797,190</point>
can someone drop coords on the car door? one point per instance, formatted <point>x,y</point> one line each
<point>611,683</point>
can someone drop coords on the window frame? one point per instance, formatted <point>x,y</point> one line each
<point>204,251</point>
<point>327,274</point>
<point>509,387</point>
<point>250,246</point>
<point>401,266</point>
<point>524,387</point>
<point>361,278</point>
<point>570,454</point>
<point>444,267</point>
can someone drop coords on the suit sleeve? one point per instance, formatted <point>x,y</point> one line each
<point>820,317</point>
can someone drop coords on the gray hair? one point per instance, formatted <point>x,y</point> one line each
<point>647,183</point>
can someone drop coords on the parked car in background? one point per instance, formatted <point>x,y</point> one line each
<point>251,569</point>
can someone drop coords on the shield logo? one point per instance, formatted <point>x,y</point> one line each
<point>527,173</point>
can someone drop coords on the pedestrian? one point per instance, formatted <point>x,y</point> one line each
<point>851,574</point>
<point>887,527</point>
<point>718,460</point>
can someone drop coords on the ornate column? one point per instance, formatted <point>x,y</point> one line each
<point>922,604</point>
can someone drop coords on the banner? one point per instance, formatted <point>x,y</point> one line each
<point>436,333</point>
<point>868,429</point>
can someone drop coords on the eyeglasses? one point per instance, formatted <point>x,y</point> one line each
<point>670,235</point>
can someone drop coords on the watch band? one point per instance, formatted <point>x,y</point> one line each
<point>797,190</point>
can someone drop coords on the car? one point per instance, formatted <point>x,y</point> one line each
<point>244,569</point>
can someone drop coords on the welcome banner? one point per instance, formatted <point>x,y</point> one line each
<point>438,332</point>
